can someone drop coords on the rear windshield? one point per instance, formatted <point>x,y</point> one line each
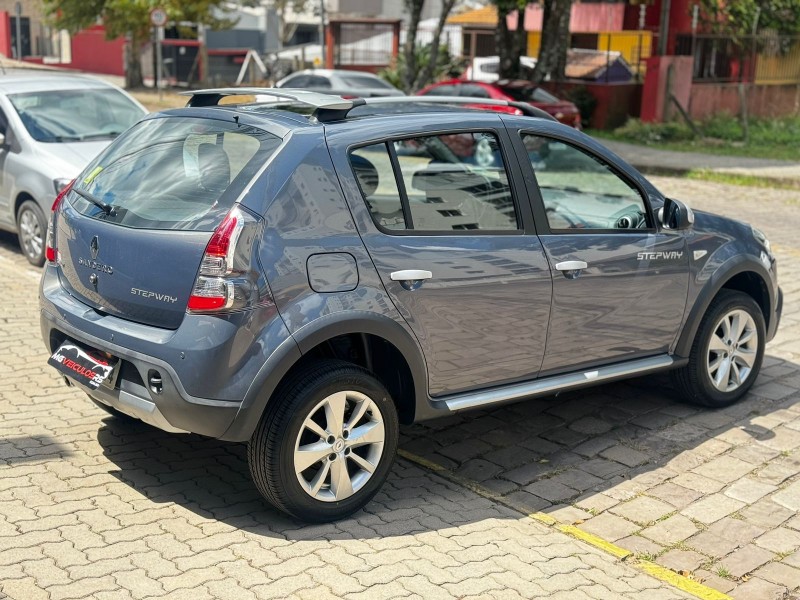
<point>173,173</point>
<point>75,115</point>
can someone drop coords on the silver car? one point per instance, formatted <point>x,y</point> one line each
<point>51,126</point>
<point>342,82</point>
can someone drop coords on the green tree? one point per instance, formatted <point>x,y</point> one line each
<point>413,74</point>
<point>130,18</point>
<point>738,18</point>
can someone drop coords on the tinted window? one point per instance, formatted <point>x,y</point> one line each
<point>473,91</point>
<point>442,90</point>
<point>361,81</point>
<point>529,94</point>
<point>172,173</point>
<point>317,82</point>
<point>75,115</point>
<point>580,191</point>
<point>299,81</point>
<point>372,167</point>
<point>456,182</point>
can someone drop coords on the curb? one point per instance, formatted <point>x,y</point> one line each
<point>698,590</point>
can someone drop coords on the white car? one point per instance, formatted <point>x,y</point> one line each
<point>487,68</point>
<point>51,126</point>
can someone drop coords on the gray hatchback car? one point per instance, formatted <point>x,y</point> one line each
<point>307,274</point>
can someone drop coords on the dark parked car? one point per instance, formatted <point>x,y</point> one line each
<point>564,111</point>
<point>306,275</point>
<point>342,82</point>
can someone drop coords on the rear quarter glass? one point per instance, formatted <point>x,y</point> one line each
<point>173,173</point>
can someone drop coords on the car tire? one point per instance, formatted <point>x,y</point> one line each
<point>32,232</point>
<point>726,354</point>
<point>326,442</point>
<point>113,411</point>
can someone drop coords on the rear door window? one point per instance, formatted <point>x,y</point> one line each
<point>170,173</point>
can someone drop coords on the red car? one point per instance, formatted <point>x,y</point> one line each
<point>517,90</point>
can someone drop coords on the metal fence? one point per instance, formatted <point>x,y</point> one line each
<point>766,58</point>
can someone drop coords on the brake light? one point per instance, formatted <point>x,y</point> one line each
<point>50,246</point>
<point>223,284</point>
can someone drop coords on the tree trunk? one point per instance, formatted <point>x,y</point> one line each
<point>552,61</point>
<point>426,76</point>
<point>409,74</point>
<point>133,63</point>
<point>510,44</point>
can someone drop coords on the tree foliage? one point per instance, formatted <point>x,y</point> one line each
<point>738,18</point>
<point>552,60</point>
<point>286,29</point>
<point>445,67</point>
<point>130,18</point>
<point>415,75</point>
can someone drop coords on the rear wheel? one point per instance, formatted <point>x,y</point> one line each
<point>326,443</point>
<point>726,354</point>
<point>32,229</point>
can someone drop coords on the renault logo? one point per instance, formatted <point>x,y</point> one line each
<point>94,246</point>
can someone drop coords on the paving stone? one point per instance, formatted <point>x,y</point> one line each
<point>642,510</point>
<point>781,540</point>
<point>577,479</point>
<point>736,530</point>
<point>696,482</point>
<point>746,559</point>
<point>725,469</point>
<point>670,531</point>
<point>639,545</point>
<point>681,560</point>
<point>676,495</point>
<point>780,574</point>
<point>590,425</point>
<point>711,544</point>
<point>596,502</point>
<point>789,497</point>
<point>464,450</point>
<point>758,589</point>
<point>593,446</point>
<point>477,469</point>
<point>609,527</point>
<point>766,513</point>
<point>626,456</point>
<point>550,490</point>
<point>776,473</point>
<point>714,581</point>
<point>712,508</point>
<point>749,490</point>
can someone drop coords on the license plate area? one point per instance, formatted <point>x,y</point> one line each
<point>86,366</point>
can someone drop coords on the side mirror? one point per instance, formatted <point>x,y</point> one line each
<point>675,215</point>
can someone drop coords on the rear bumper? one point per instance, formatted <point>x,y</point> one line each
<point>216,356</point>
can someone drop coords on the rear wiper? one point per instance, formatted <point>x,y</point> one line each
<point>106,208</point>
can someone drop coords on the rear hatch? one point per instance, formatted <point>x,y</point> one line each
<point>131,234</point>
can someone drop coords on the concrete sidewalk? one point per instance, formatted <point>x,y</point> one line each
<point>649,159</point>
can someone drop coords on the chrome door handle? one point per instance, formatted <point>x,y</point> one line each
<point>411,279</point>
<point>571,268</point>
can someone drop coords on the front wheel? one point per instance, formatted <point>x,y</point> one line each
<point>32,231</point>
<point>726,354</point>
<point>326,442</point>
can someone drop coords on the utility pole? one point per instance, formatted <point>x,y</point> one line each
<point>18,13</point>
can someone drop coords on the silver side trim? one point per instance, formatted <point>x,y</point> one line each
<point>557,383</point>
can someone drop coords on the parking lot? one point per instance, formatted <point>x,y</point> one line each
<point>99,508</point>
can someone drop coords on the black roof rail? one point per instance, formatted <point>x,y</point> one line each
<point>335,108</point>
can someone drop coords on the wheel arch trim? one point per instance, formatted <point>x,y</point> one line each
<point>730,269</point>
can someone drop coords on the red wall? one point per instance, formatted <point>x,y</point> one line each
<point>92,52</point>
<point>654,94</point>
<point>615,101</point>
<point>5,34</point>
<point>762,100</point>
<point>600,16</point>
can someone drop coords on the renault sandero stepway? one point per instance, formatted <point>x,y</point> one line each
<point>304,273</point>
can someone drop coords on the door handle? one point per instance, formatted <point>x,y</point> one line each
<point>571,268</point>
<point>411,279</point>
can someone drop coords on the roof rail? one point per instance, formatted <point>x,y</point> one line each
<point>333,108</point>
<point>523,107</point>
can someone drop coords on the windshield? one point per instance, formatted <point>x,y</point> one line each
<point>173,173</point>
<point>76,115</point>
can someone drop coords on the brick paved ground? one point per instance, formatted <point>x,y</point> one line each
<point>105,509</point>
<point>108,510</point>
<point>713,493</point>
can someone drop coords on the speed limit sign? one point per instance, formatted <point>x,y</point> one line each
<point>158,17</point>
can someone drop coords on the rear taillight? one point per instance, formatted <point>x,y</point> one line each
<point>50,247</point>
<point>225,279</point>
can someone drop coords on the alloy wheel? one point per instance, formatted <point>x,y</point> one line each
<point>732,350</point>
<point>30,234</point>
<point>339,446</point>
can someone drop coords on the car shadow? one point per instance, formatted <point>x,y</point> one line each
<point>555,435</point>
